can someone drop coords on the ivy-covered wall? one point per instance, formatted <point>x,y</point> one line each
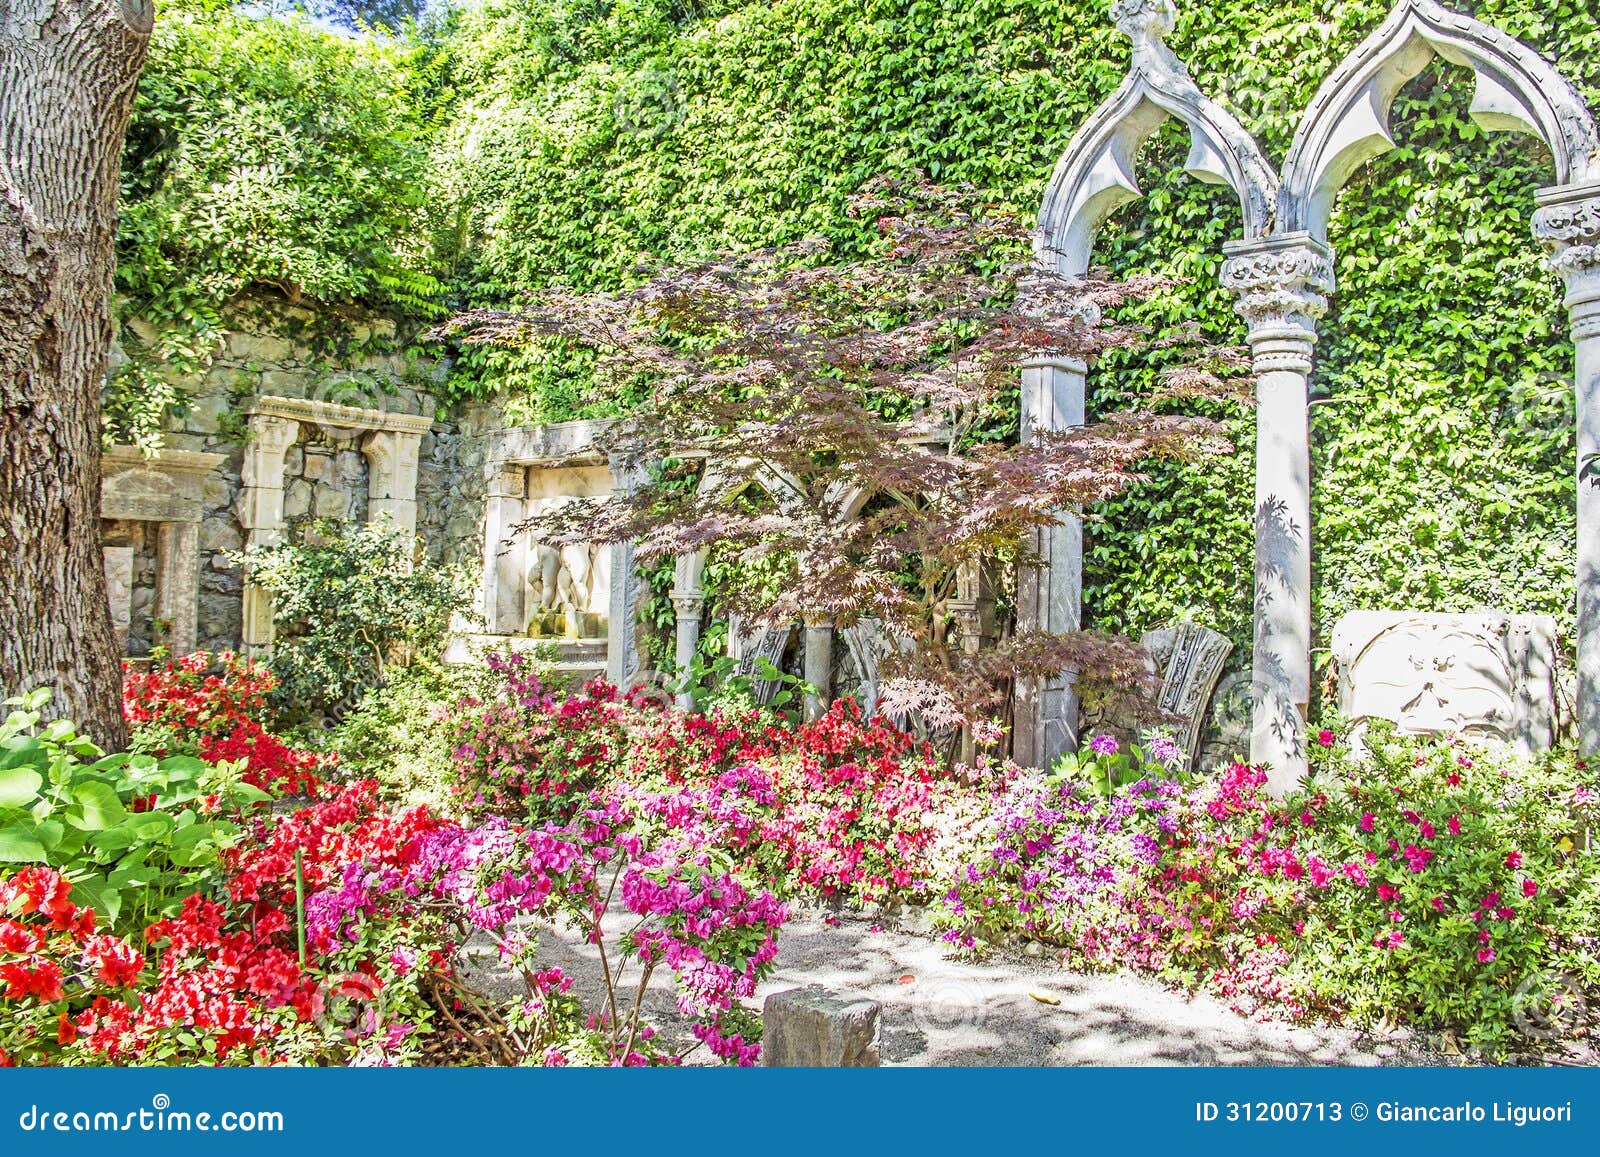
<point>589,136</point>
<point>521,143</point>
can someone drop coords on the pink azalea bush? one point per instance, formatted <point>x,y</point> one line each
<point>843,808</point>
<point>1421,881</point>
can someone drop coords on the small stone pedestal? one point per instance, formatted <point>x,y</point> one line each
<point>815,1028</point>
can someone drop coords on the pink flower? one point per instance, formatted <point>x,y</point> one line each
<point>1427,830</point>
<point>1367,821</point>
<point>1325,738</point>
<point>1486,956</point>
<point>1514,860</point>
<point>1453,825</point>
<point>1387,892</point>
<point>1307,818</point>
<point>1438,903</point>
<point>1453,779</point>
<point>1395,916</point>
<point>1530,889</point>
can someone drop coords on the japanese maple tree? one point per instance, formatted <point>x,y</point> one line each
<point>850,425</point>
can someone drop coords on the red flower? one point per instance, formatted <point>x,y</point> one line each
<point>1514,860</point>
<point>1326,738</point>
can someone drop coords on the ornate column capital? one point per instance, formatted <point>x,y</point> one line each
<point>1567,224</point>
<point>1282,285</point>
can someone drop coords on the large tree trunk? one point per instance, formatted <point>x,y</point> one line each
<point>67,75</point>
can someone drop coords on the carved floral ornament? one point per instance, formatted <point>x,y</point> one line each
<point>1570,229</point>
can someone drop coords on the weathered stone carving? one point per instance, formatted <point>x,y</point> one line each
<point>869,644</point>
<point>1483,676</point>
<point>1191,658</point>
<point>748,646</point>
<point>1281,285</point>
<point>119,590</point>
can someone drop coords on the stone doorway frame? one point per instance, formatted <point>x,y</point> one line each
<point>167,490</point>
<point>391,445</point>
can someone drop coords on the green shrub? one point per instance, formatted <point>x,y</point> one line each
<point>134,835</point>
<point>267,152</point>
<point>397,733</point>
<point>349,601</point>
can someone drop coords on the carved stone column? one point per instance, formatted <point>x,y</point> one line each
<point>260,507</point>
<point>1568,224</point>
<point>688,603</point>
<point>1282,286</point>
<point>1050,597</point>
<point>392,476</point>
<point>178,583</point>
<point>505,566</point>
<point>622,627</point>
<point>818,671</point>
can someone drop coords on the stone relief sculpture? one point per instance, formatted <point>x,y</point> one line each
<point>748,646</point>
<point>1483,676</point>
<point>867,645</point>
<point>564,589</point>
<point>1191,658</point>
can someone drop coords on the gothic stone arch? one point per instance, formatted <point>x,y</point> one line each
<point>1094,178</point>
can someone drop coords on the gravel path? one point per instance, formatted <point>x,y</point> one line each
<point>939,1011</point>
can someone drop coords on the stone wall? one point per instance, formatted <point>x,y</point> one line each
<point>273,349</point>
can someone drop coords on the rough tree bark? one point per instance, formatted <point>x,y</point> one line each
<point>67,75</point>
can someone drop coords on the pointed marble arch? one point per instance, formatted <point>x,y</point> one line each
<point>1281,284</point>
<point>1348,121</point>
<point>688,576</point>
<point>1095,176</point>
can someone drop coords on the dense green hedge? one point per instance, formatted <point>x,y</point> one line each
<point>264,153</point>
<point>593,135</point>
<point>573,139</point>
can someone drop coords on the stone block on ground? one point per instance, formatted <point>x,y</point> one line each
<point>814,1027</point>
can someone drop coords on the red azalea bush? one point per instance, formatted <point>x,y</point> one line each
<point>1416,880</point>
<point>212,706</point>
<point>53,967</point>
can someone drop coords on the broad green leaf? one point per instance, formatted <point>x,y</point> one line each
<point>101,808</point>
<point>97,893</point>
<point>19,845</point>
<point>19,786</point>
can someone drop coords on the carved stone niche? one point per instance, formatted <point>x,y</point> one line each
<point>1482,676</point>
<point>166,490</point>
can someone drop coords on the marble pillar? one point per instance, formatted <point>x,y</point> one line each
<point>688,604</point>
<point>392,476</point>
<point>1568,224</point>
<point>260,507</point>
<point>622,626</point>
<point>178,583</point>
<point>1049,596</point>
<point>505,549</point>
<point>818,668</point>
<point>1282,286</point>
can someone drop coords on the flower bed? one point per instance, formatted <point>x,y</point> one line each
<point>1424,882</point>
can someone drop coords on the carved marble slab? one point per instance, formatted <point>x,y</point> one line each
<point>1191,658</point>
<point>748,646</point>
<point>119,587</point>
<point>1484,676</point>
